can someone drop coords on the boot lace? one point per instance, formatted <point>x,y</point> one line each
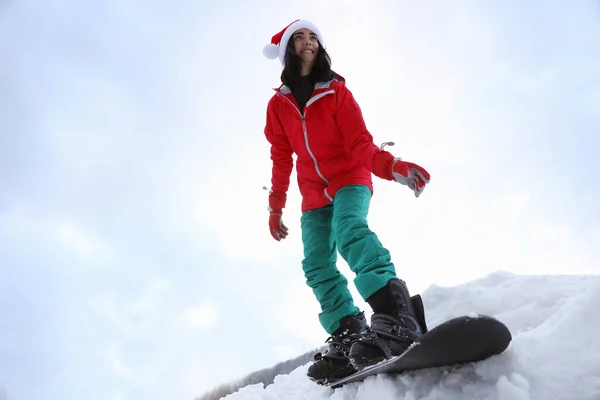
<point>339,346</point>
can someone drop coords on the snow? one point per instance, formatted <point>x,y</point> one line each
<point>555,352</point>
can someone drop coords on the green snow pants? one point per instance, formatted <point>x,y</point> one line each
<point>343,225</point>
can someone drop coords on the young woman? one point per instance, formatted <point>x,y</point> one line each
<point>315,116</point>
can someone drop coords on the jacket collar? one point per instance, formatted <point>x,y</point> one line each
<point>284,89</point>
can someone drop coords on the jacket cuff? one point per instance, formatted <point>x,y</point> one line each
<point>277,202</point>
<point>382,165</point>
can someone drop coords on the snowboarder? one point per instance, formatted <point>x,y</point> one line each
<point>314,115</point>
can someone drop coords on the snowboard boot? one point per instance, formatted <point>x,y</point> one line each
<point>397,321</point>
<point>334,364</point>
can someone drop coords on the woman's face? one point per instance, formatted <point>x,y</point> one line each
<point>306,45</point>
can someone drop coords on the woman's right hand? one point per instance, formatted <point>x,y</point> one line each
<point>276,226</point>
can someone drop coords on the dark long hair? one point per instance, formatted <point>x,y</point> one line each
<point>321,71</point>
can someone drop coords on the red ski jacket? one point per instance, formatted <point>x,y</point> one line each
<point>331,142</point>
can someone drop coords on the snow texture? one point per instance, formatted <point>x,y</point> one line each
<point>555,352</point>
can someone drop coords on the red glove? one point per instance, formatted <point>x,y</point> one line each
<point>278,229</point>
<point>276,204</point>
<point>411,175</point>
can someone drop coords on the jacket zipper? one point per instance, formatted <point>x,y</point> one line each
<point>305,131</point>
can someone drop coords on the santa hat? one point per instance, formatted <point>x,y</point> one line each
<point>279,42</point>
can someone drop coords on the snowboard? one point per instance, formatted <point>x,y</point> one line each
<point>457,341</point>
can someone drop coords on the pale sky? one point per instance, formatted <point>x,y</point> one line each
<point>135,257</point>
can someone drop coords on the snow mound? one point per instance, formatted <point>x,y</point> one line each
<point>555,353</point>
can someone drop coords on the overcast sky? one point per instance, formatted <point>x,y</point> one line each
<point>135,258</point>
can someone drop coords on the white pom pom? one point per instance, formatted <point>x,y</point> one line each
<point>271,51</point>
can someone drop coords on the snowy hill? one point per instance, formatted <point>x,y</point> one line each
<point>555,353</point>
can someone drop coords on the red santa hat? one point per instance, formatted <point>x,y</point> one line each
<point>279,41</point>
